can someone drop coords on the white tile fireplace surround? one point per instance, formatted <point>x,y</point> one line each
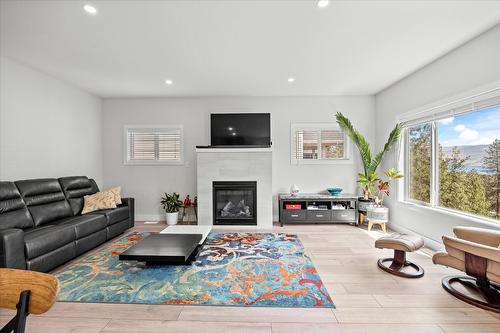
<point>235,164</point>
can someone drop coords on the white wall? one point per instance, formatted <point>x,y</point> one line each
<point>146,183</point>
<point>473,65</point>
<point>47,127</point>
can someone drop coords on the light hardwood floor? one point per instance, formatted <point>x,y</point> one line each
<point>367,299</point>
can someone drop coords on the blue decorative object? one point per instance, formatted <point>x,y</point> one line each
<point>335,191</point>
<point>238,269</point>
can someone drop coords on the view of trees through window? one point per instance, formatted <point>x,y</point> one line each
<point>420,162</point>
<point>469,162</point>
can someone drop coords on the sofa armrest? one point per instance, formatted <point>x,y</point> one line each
<point>12,249</point>
<point>130,203</point>
<point>483,236</point>
<point>488,252</point>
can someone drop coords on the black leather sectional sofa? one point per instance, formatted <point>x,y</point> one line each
<point>41,225</point>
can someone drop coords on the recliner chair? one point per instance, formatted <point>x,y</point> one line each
<point>476,252</point>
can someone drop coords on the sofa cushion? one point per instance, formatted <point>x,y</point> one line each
<point>45,200</point>
<point>13,211</point>
<point>84,225</point>
<point>75,188</point>
<point>114,215</point>
<point>41,240</point>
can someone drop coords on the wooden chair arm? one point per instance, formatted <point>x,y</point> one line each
<point>43,288</point>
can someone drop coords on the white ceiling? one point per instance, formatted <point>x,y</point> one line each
<point>215,48</point>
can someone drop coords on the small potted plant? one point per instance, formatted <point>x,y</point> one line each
<point>378,211</point>
<point>171,205</point>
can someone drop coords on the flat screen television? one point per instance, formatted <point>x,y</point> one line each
<point>240,129</point>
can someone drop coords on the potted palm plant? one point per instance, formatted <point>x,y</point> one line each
<point>171,204</point>
<point>368,178</point>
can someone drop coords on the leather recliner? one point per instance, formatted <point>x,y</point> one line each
<point>41,225</point>
<point>476,252</point>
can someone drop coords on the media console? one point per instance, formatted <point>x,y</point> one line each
<point>317,208</point>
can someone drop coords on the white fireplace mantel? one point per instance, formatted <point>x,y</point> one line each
<point>235,164</point>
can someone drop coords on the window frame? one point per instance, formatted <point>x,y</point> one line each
<point>319,127</point>
<point>127,128</point>
<point>432,114</point>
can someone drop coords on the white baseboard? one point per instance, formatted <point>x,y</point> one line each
<point>149,217</point>
<point>430,243</point>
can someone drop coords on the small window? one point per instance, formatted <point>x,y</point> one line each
<point>317,143</point>
<point>153,145</point>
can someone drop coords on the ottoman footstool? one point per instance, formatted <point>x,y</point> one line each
<point>398,265</point>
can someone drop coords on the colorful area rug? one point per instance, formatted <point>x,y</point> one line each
<point>235,269</point>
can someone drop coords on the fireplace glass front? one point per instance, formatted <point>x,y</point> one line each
<point>235,203</point>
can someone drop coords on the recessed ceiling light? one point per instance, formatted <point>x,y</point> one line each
<point>169,82</point>
<point>230,128</point>
<point>291,79</point>
<point>90,9</point>
<point>323,3</point>
<point>234,133</point>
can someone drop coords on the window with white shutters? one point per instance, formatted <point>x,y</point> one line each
<point>317,143</point>
<point>153,145</point>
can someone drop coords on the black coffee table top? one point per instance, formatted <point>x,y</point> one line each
<point>167,248</point>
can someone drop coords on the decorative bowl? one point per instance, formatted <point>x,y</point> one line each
<point>335,191</point>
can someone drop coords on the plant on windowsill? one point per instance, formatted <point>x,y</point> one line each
<point>369,177</point>
<point>171,205</point>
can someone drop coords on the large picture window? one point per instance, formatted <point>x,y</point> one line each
<point>453,161</point>
<point>153,145</point>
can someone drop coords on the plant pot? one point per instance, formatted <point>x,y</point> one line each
<point>172,218</point>
<point>377,213</point>
<point>363,204</point>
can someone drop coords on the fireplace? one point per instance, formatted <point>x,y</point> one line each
<point>235,203</point>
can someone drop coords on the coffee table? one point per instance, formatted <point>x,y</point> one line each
<point>176,244</point>
<point>164,249</point>
<point>203,230</point>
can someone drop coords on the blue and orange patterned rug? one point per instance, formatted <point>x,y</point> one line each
<point>235,269</point>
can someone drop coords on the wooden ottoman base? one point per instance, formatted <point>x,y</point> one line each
<point>400,266</point>
<point>483,294</point>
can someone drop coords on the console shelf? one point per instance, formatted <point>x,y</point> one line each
<point>317,208</point>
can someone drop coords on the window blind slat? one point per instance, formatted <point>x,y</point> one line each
<point>154,144</point>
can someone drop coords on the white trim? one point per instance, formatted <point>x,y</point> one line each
<point>150,217</point>
<point>126,128</point>
<point>450,103</point>
<point>453,213</point>
<point>347,159</point>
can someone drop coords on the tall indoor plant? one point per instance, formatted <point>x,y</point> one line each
<point>368,177</point>
<point>171,205</point>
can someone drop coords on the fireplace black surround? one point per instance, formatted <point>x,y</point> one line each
<point>235,203</point>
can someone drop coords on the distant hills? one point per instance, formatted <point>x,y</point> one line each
<point>476,153</point>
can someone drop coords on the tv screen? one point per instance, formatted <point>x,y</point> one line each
<point>240,129</point>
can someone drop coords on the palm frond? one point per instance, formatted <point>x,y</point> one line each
<point>393,138</point>
<point>358,139</point>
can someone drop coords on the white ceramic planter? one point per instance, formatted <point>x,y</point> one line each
<point>377,213</point>
<point>172,218</point>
